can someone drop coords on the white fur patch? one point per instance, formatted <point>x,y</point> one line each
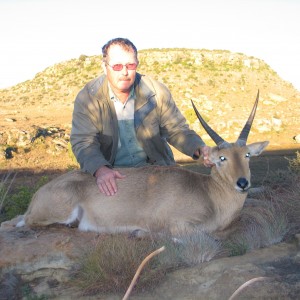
<point>21,223</point>
<point>75,215</point>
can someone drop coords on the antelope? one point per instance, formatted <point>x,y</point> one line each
<point>172,198</point>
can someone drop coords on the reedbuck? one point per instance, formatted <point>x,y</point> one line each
<point>152,198</point>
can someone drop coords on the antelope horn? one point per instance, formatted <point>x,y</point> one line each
<point>242,139</point>
<point>214,136</point>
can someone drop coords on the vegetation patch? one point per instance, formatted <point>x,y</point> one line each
<point>111,264</point>
<point>14,203</point>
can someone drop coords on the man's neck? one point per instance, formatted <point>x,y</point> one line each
<point>122,96</point>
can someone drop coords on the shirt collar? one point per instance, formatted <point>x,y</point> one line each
<point>114,98</point>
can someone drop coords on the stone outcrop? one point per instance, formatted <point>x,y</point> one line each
<point>42,259</point>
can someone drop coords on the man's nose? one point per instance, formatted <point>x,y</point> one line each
<point>124,70</point>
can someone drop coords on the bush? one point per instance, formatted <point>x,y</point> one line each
<point>294,164</point>
<point>16,203</point>
<point>111,264</point>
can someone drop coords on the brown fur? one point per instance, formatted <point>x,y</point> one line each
<point>149,198</point>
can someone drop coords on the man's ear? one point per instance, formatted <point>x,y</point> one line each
<point>104,67</point>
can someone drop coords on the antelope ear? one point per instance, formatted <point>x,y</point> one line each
<point>257,148</point>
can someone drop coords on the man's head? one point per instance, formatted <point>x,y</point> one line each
<point>126,44</point>
<point>119,63</point>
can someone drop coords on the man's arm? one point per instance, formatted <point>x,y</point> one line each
<point>85,134</point>
<point>86,145</point>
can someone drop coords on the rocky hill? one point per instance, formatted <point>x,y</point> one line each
<point>222,84</point>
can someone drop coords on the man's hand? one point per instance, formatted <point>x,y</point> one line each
<point>106,180</point>
<point>204,151</point>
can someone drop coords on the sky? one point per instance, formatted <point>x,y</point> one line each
<point>36,34</point>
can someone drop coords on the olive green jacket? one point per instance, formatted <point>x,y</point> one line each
<point>157,121</point>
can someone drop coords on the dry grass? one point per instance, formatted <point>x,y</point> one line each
<point>294,163</point>
<point>111,264</point>
<point>198,247</point>
<point>271,218</point>
<point>5,186</point>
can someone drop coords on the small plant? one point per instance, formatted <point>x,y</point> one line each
<point>198,247</point>
<point>190,115</point>
<point>16,203</point>
<point>28,294</point>
<point>294,163</point>
<point>5,186</point>
<point>237,247</point>
<point>71,154</point>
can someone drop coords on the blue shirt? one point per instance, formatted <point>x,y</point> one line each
<point>129,153</point>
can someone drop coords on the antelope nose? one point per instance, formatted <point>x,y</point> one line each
<point>242,183</point>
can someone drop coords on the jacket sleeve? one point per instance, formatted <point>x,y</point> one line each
<point>85,133</point>
<point>173,125</point>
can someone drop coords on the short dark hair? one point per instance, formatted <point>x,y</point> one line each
<point>122,42</point>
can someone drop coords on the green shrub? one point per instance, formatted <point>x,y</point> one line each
<point>71,154</point>
<point>190,115</point>
<point>236,248</point>
<point>5,186</point>
<point>16,203</point>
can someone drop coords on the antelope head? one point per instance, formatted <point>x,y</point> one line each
<point>232,159</point>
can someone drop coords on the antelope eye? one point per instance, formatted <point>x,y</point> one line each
<point>248,155</point>
<point>222,158</point>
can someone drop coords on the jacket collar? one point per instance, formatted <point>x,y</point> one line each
<point>142,91</point>
<point>99,88</point>
<point>145,101</point>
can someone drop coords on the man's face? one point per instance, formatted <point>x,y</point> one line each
<point>120,81</point>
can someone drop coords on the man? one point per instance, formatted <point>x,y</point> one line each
<point>125,119</point>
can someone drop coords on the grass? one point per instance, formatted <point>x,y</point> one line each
<point>5,186</point>
<point>271,218</point>
<point>257,227</point>
<point>110,265</point>
<point>294,163</point>
<point>15,203</point>
<point>198,247</point>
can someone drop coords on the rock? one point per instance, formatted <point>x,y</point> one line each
<point>44,257</point>
<point>297,138</point>
<point>218,279</point>
<point>10,120</point>
<point>276,124</point>
<point>277,98</point>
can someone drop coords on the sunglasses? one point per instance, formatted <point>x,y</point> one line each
<point>119,67</point>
